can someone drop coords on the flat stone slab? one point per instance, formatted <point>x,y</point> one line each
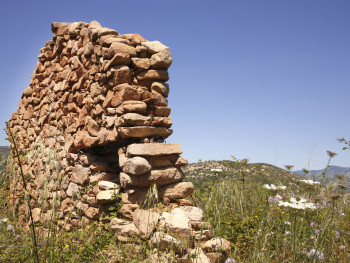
<point>106,196</point>
<point>159,177</point>
<point>143,131</point>
<point>153,149</point>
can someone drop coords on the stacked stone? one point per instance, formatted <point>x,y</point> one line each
<point>150,164</point>
<point>91,125</point>
<point>93,93</point>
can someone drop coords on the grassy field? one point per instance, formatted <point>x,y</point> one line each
<point>267,213</point>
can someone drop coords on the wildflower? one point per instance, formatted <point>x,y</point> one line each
<point>306,171</point>
<point>309,182</point>
<point>289,167</point>
<point>331,154</point>
<point>301,204</point>
<point>287,233</point>
<point>275,199</point>
<point>312,224</point>
<point>334,196</point>
<point>340,177</point>
<point>342,247</point>
<point>312,252</point>
<point>317,231</point>
<point>273,187</point>
<point>342,186</point>
<point>244,161</point>
<point>10,228</point>
<point>342,214</point>
<point>229,260</point>
<point>317,198</point>
<point>287,223</point>
<point>337,234</point>
<point>3,220</point>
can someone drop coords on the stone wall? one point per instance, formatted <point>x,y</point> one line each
<point>92,125</point>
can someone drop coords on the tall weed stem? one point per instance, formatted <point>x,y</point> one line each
<point>16,155</point>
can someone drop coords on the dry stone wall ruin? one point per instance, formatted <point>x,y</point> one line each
<point>92,125</point>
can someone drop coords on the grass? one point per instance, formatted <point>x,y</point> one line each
<point>235,203</point>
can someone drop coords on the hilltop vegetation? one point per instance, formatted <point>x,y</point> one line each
<point>204,173</point>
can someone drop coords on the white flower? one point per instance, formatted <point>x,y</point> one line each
<point>273,187</point>
<point>312,252</point>
<point>310,182</point>
<point>3,220</point>
<point>301,204</point>
<point>10,228</point>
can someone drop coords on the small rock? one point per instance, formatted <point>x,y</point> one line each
<point>36,213</point>
<point>73,190</point>
<point>136,166</point>
<point>125,229</point>
<point>154,46</point>
<point>198,256</point>
<point>164,242</point>
<point>106,185</point>
<point>145,221</point>
<point>80,175</point>
<point>161,60</point>
<point>117,47</point>
<point>160,87</point>
<point>133,119</point>
<point>176,190</point>
<point>216,245</point>
<point>106,196</point>
<point>132,106</point>
<point>177,223</point>
<point>193,213</point>
<point>141,63</point>
<point>216,257</point>
<point>128,210</point>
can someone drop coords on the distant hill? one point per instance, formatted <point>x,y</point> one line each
<point>202,174</point>
<point>4,150</point>
<point>331,173</point>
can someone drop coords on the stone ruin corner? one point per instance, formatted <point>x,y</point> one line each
<point>92,123</point>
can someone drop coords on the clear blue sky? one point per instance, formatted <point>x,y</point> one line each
<point>263,79</point>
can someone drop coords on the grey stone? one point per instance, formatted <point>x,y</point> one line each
<point>136,166</point>
<point>160,87</point>
<point>159,177</point>
<point>161,60</point>
<point>73,190</point>
<point>106,196</point>
<point>193,213</point>
<point>154,46</point>
<point>164,242</point>
<point>145,221</point>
